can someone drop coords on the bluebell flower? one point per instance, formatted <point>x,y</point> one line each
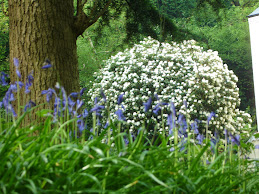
<point>183,124</point>
<point>74,94</point>
<point>3,77</point>
<point>49,93</point>
<point>126,140</point>
<point>120,115</point>
<point>194,127</point>
<point>27,85</point>
<point>29,105</point>
<point>170,123</point>
<point>200,138</point>
<point>16,62</point>
<point>79,104</point>
<point>82,91</point>
<point>185,103</point>
<point>212,114</point>
<point>103,95</point>
<point>1,104</point>
<point>47,64</point>
<point>20,84</point>
<point>18,73</point>
<point>10,108</point>
<point>158,107</point>
<point>81,125</point>
<point>85,113</point>
<point>235,139</point>
<point>106,125</point>
<point>147,104</point>
<point>257,146</point>
<point>172,108</point>
<point>120,99</point>
<point>97,109</point>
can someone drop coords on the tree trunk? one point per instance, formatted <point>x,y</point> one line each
<point>40,30</point>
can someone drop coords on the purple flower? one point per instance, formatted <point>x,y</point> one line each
<point>20,84</point>
<point>257,146</point>
<point>103,95</point>
<point>79,104</point>
<point>29,105</point>
<point>212,114</point>
<point>120,115</point>
<point>10,108</point>
<point>16,62</point>
<point>158,107</point>
<point>185,103</point>
<point>85,113</point>
<point>120,99</point>
<point>82,91</point>
<point>235,139</point>
<point>183,124</point>
<point>49,93</point>
<point>81,125</point>
<point>172,108</point>
<point>147,104</point>
<point>194,127</point>
<point>97,109</point>
<point>18,73</point>
<point>74,94</point>
<point>47,64</point>
<point>170,123</point>
<point>27,85</point>
<point>3,77</point>
<point>106,125</point>
<point>200,138</point>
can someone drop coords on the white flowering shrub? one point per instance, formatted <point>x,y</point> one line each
<point>177,73</point>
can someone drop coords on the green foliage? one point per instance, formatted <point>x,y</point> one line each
<point>48,163</point>
<point>94,47</point>
<point>227,31</point>
<point>4,48</point>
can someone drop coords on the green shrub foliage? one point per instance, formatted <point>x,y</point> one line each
<point>172,72</point>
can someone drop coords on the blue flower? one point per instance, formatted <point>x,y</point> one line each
<point>16,62</point>
<point>120,115</point>
<point>257,146</point>
<point>235,139</point>
<point>170,123</point>
<point>103,95</point>
<point>194,127</point>
<point>82,91</point>
<point>120,99</point>
<point>200,138</point>
<point>212,114</point>
<point>49,93</point>
<point>147,104</point>
<point>172,108</point>
<point>81,125</point>
<point>74,94</point>
<point>29,105</point>
<point>47,64</point>
<point>79,104</point>
<point>85,113</point>
<point>3,77</point>
<point>158,107</point>
<point>18,73</point>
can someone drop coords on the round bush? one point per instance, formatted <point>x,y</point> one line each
<point>176,73</point>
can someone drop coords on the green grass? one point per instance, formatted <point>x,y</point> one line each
<point>44,159</point>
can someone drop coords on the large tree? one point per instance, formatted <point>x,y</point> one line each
<point>47,30</point>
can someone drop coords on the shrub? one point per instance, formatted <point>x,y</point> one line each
<point>172,73</point>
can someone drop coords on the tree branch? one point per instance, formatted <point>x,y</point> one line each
<point>82,21</point>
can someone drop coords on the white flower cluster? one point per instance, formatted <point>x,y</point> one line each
<point>177,73</point>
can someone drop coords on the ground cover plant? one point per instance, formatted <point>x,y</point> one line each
<point>60,153</point>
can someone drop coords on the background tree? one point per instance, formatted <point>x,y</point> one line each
<point>47,31</point>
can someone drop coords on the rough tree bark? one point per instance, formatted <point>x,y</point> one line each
<point>48,29</point>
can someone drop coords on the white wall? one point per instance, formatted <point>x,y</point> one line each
<point>254,38</point>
